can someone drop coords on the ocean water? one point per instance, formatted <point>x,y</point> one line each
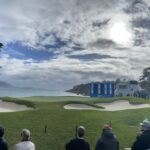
<point>31,92</point>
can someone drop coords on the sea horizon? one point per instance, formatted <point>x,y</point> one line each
<point>29,93</point>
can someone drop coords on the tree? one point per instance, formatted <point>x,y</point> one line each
<point>1,45</point>
<point>145,79</point>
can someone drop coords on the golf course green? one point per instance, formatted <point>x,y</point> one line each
<point>61,123</point>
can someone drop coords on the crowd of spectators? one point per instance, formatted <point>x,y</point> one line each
<point>107,140</point>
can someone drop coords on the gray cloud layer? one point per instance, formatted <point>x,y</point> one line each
<point>78,32</point>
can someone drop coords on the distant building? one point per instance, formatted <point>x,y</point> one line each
<point>127,88</point>
<point>101,89</point>
<point>109,89</point>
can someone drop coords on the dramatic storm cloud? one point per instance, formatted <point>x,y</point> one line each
<point>59,43</point>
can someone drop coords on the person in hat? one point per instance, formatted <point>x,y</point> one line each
<point>142,141</point>
<point>25,143</point>
<point>78,143</point>
<point>107,141</point>
<point>3,143</point>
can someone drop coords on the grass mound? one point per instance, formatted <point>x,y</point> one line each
<point>84,103</point>
<point>18,101</point>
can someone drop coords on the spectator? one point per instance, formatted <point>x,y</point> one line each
<point>107,141</point>
<point>3,143</point>
<point>78,143</point>
<point>142,141</point>
<point>25,143</point>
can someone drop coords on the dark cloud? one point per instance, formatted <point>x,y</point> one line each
<point>137,6</point>
<point>59,42</point>
<point>139,12</point>
<point>142,38</point>
<point>122,48</point>
<point>67,22</point>
<point>103,43</point>
<point>98,75</point>
<point>142,23</point>
<point>100,23</point>
<point>138,42</point>
<point>78,47</point>
<point>88,57</point>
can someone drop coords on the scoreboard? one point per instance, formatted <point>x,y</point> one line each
<point>101,89</point>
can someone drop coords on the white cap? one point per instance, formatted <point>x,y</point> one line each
<point>26,133</point>
<point>145,125</point>
<point>145,122</point>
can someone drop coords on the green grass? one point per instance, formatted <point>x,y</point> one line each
<point>57,98</point>
<point>61,123</point>
<point>18,101</point>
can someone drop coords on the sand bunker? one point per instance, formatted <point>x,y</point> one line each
<point>12,107</point>
<point>114,106</point>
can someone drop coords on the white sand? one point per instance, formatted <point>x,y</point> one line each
<point>114,106</point>
<point>12,107</point>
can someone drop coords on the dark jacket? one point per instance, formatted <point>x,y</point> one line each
<point>107,142</point>
<point>3,144</point>
<point>142,141</point>
<point>77,144</point>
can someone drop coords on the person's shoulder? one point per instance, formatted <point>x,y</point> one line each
<point>86,143</point>
<point>3,141</point>
<point>100,140</point>
<point>31,143</point>
<point>77,140</point>
<point>17,146</point>
<point>4,144</point>
<point>145,134</point>
<point>81,141</point>
<point>71,141</point>
<point>20,144</point>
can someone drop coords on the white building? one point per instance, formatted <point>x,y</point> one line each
<point>126,88</point>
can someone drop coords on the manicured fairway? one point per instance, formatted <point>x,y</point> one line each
<point>61,123</point>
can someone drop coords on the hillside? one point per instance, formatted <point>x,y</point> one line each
<point>7,89</point>
<point>5,85</point>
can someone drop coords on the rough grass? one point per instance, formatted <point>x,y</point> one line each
<point>61,123</point>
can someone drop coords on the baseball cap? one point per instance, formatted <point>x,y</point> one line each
<point>145,122</point>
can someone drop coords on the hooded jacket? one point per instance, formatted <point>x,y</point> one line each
<point>3,144</point>
<point>77,144</point>
<point>107,141</point>
<point>142,141</point>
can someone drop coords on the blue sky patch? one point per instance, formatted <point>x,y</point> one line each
<point>19,51</point>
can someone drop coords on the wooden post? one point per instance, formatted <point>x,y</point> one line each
<point>45,129</point>
<point>110,123</point>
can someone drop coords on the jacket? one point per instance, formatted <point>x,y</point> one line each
<point>77,144</point>
<point>25,145</point>
<point>107,141</point>
<point>142,141</point>
<point>3,144</point>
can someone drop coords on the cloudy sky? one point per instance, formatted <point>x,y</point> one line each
<point>60,43</point>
